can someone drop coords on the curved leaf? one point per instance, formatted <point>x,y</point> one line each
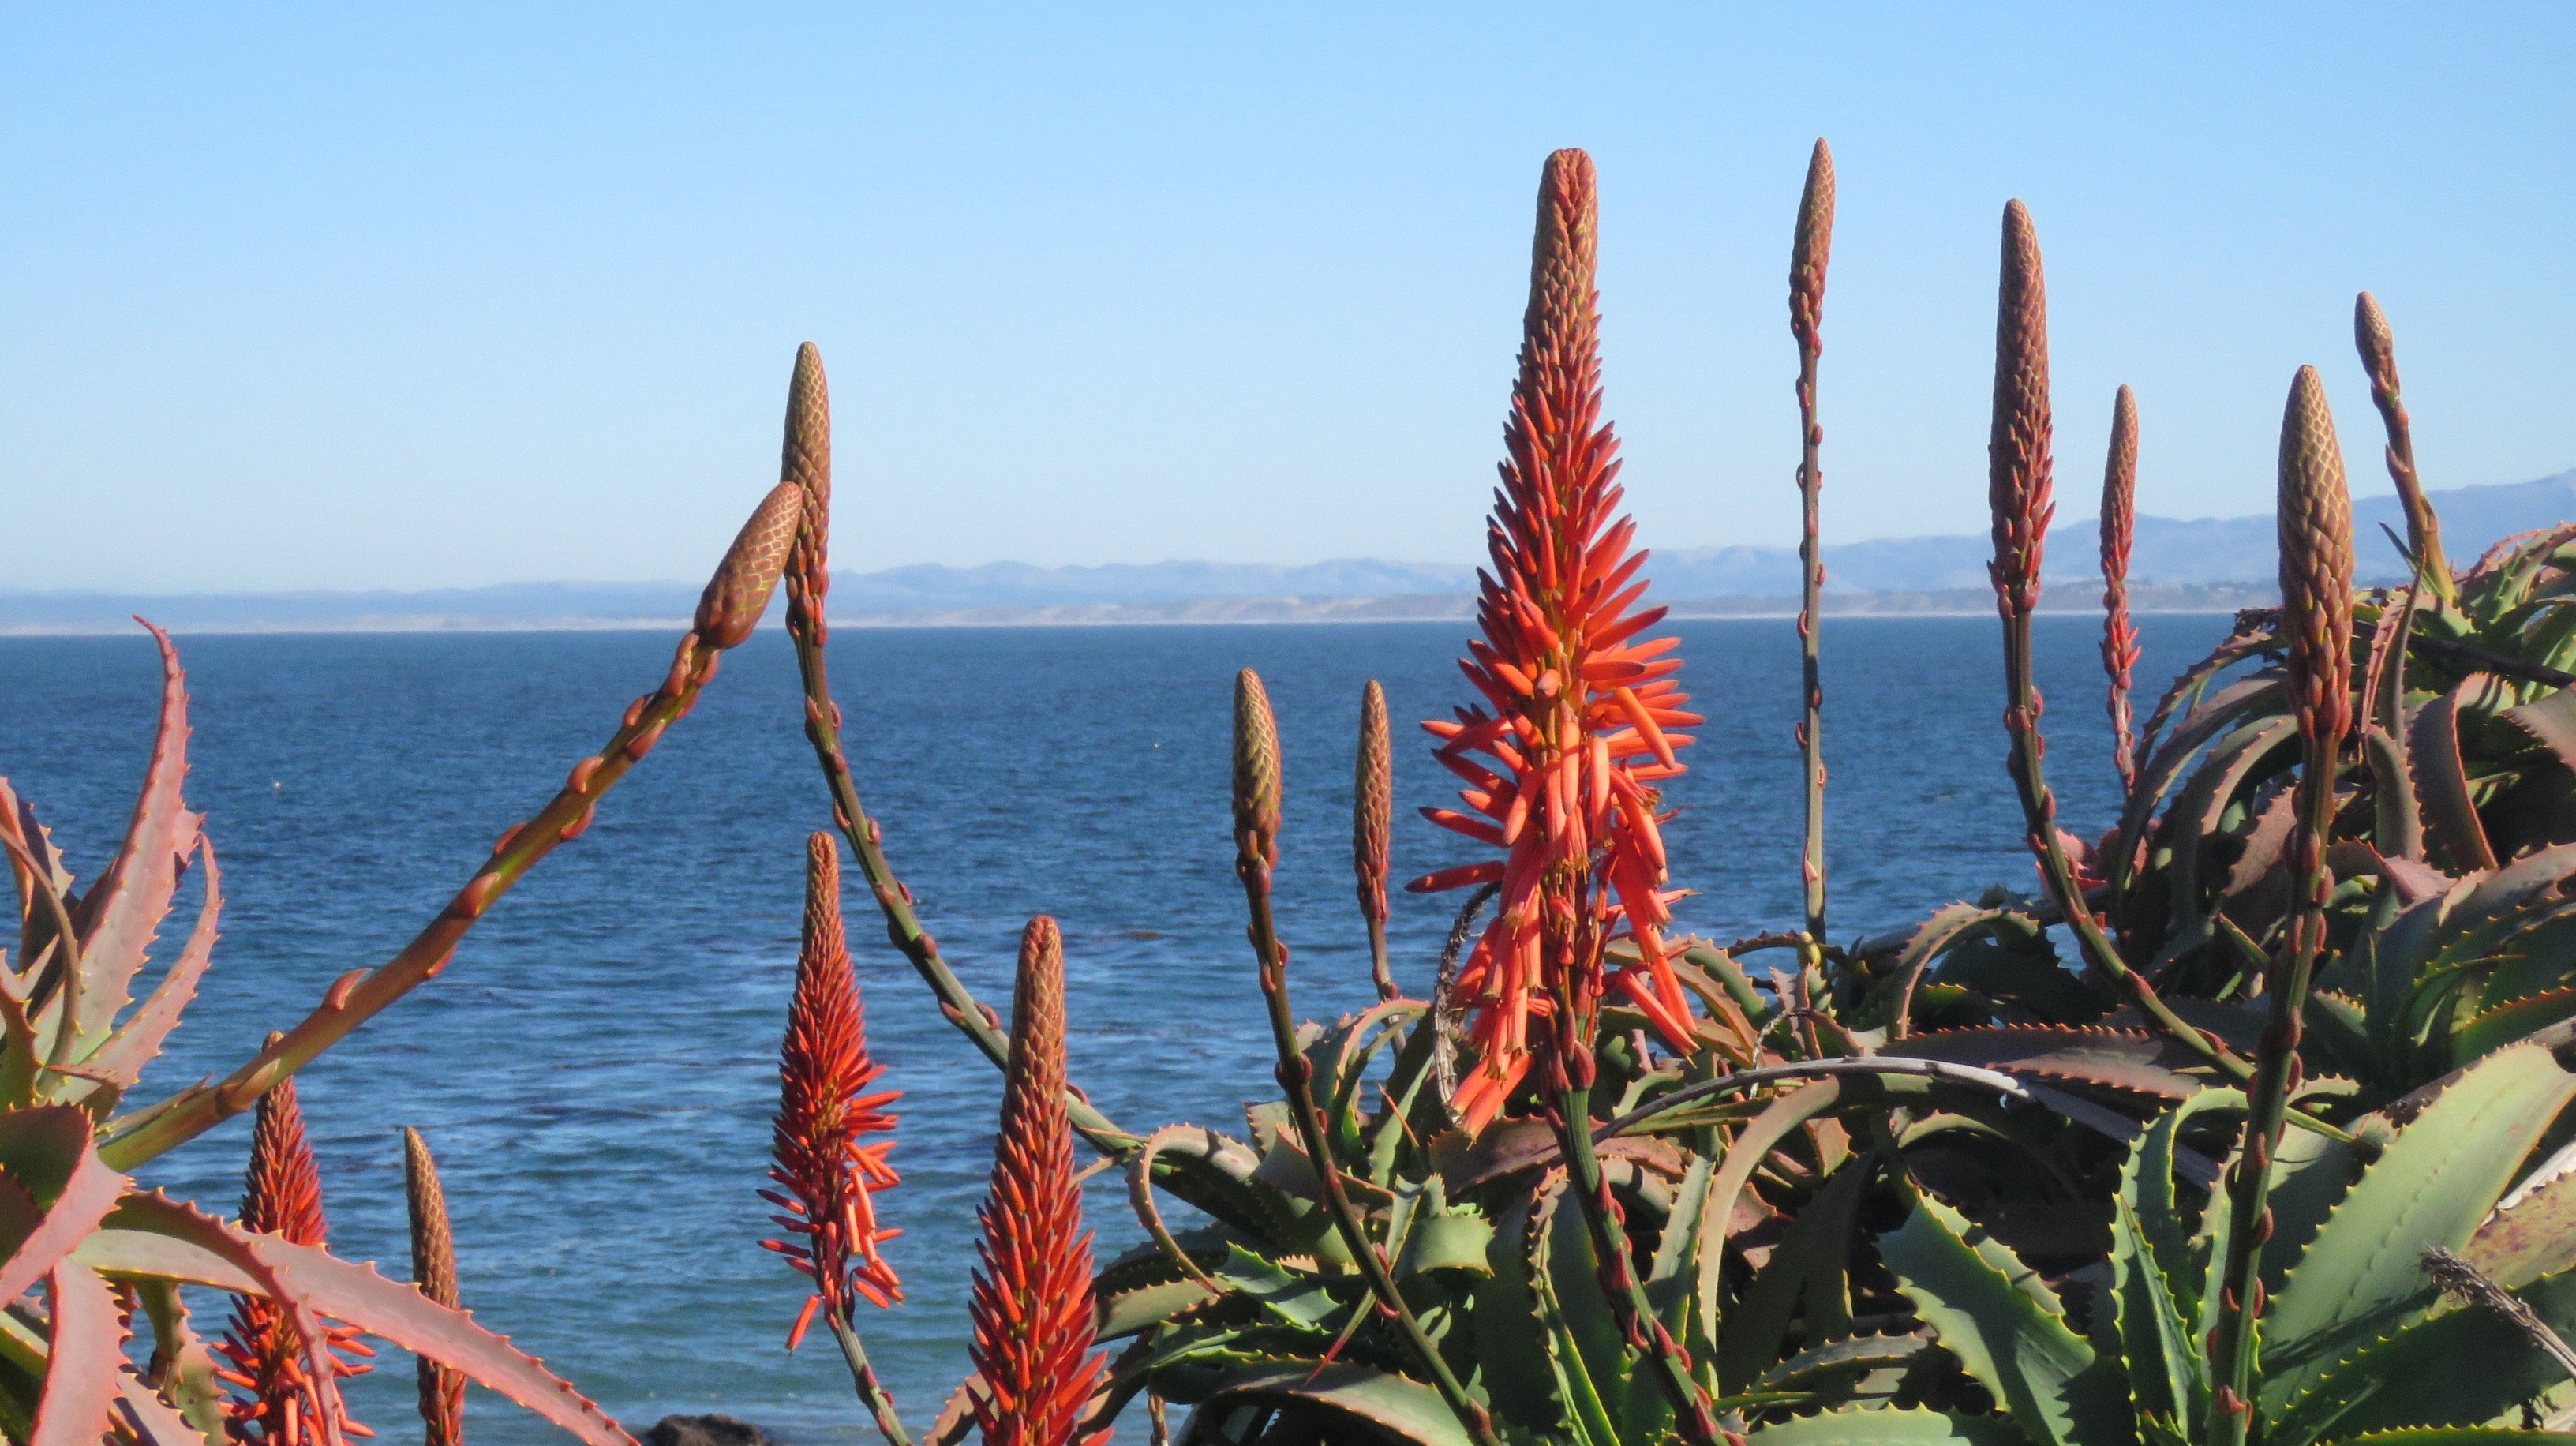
<point>2361,1277</point>
<point>49,1151</point>
<point>86,1355</point>
<point>2129,1060</point>
<point>135,1042</point>
<point>315,1281</point>
<point>2455,1369</point>
<point>119,913</point>
<point>2005,1326</point>
<point>1887,1426</point>
<point>1744,1155</point>
<point>2451,823</point>
<point>1398,1405</point>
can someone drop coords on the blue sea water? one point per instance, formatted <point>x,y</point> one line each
<point>597,1069</point>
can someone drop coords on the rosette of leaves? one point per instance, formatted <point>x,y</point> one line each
<point>2357,1343</point>
<point>81,1244</point>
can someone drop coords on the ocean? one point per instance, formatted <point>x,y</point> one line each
<point>597,1069</point>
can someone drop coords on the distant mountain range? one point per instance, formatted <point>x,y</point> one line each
<point>2179,565</point>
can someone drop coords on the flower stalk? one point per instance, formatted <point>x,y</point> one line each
<point>1258,789</point>
<point>806,464</point>
<point>2377,343</point>
<point>2018,493</point>
<point>2315,522</point>
<point>734,599</point>
<point>1809,252</point>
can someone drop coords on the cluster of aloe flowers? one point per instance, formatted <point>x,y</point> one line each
<point>2277,1150</point>
<point>1608,1183</point>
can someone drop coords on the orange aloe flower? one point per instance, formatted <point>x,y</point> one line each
<point>1580,709</point>
<point>280,1404</point>
<point>827,1169</point>
<point>1032,1301</point>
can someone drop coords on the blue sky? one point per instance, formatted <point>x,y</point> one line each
<point>367,296</point>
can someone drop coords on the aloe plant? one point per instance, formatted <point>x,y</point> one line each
<point>2358,1342</point>
<point>82,1245</point>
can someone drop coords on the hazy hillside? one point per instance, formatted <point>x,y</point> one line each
<point>2178,563</point>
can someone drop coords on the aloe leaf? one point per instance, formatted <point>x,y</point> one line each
<point>2533,1237</point>
<point>2454,1369</point>
<point>1207,1170</point>
<point>2214,786</point>
<point>36,867</point>
<point>1512,1361</point>
<point>2485,1032</point>
<point>122,1057</point>
<point>2551,722</point>
<point>1398,1406</point>
<point>186,1369</point>
<point>2005,1326</point>
<point>1817,1366</point>
<point>2360,1277</point>
<point>1624,1385</point>
<point>2129,1060</point>
<point>2163,1365</point>
<point>1887,1426</point>
<point>1299,1300</point>
<point>2442,781</point>
<point>85,1355</point>
<point>48,1149</point>
<point>1674,1250</point>
<point>156,1421</point>
<point>1449,1240</point>
<point>1571,1344</point>
<point>1744,1155</point>
<point>2464,1437</point>
<point>1125,1312</point>
<point>122,908</point>
<point>1808,1263</point>
<point>310,1281</point>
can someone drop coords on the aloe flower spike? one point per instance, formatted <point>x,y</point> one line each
<point>280,1395</point>
<point>1032,1302</point>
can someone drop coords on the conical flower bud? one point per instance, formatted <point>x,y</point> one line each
<point>1372,803</point>
<point>1256,771</point>
<point>2119,530</point>
<point>2017,451</point>
<point>433,1269</point>
<point>1812,247</point>
<point>805,458</point>
<point>2316,563</point>
<point>739,592</point>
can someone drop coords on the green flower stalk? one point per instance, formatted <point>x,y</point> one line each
<point>2315,520</point>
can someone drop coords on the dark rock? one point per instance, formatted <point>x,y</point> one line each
<point>704,1431</point>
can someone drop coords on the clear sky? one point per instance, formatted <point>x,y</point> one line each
<point>412,296</point>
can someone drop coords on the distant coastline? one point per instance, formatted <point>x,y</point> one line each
<point>1248,612</point>
<point>2179,566</point>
